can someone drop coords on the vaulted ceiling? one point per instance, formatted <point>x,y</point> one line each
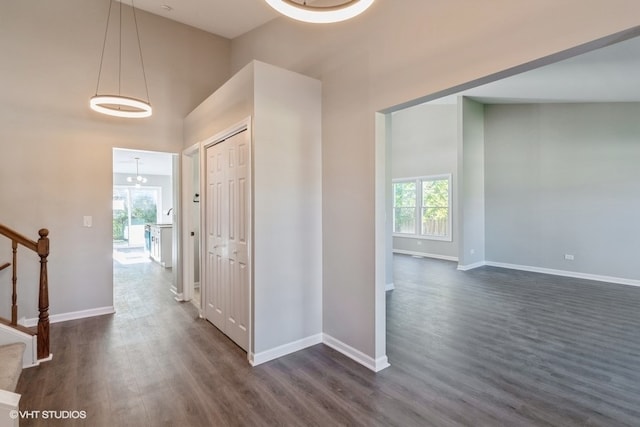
<point>226,18</point>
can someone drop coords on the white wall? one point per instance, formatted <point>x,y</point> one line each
<point>563,179</point>
<point>56,154</point>
<point>396,52</point>
<point>424,141</point>
<point>471,158</point>
<point>287,196</point>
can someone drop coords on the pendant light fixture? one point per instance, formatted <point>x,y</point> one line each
<point>301,11</point>
<point>120,105</point>
<point>138,179</point>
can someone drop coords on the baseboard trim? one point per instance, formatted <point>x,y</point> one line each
<point>472,266</point>
<point>426,255</point>
<point>566,273</point>
<point>178,296</point>
<point>389,286</point>
<point>265,356</point>
<point>375,365</point>
<point>74,315</point>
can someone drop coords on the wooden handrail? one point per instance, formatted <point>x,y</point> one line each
<point>41,247</point>
<point>19,238</point>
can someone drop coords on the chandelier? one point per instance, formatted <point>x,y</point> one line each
<point>138,179</point>
<point>301,11</point>
<point>120,105</point>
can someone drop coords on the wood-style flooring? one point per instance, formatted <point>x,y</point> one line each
<point>488,347</point>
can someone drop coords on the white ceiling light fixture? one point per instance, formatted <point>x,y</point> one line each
<point>120,105</point>
<point>301,11</point>
<point>138,179</point>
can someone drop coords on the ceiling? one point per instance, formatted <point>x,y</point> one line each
<point>226,18</point>
<point>150,163</point>
<point>610,74</point>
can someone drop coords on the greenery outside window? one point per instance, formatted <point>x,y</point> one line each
<point>133,208</point>
<point>422,207</point>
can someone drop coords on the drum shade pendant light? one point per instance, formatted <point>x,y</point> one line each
<point>120,105</point>
<point>301,11</point>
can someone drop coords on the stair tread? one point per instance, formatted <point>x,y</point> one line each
<point>10,365</point>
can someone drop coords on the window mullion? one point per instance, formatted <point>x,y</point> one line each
<point>419,191</point>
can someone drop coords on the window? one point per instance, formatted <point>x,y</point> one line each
<point>422,207</point>
<point>132,209</point>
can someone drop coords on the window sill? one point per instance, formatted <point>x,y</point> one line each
<point>434,238</point>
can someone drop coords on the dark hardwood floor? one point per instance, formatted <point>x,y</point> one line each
<point>488,347</point>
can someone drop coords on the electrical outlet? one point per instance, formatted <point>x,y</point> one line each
<point>472,251</point>
<point>87,221</point>
<point>419,243</point>
<point>568,257</point>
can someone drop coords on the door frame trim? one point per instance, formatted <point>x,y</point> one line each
<point>188,253</point>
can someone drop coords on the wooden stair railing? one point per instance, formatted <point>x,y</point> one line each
<point>41,247</point>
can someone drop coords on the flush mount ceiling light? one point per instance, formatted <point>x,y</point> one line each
<point>302,11</point>
<point>120,105</point>
<point>138,179</point>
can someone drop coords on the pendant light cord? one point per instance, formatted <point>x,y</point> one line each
<point>120,49</point>
<point>104,44</point>
<point>144,75</point>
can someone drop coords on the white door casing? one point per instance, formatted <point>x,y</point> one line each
<point>227,225</point>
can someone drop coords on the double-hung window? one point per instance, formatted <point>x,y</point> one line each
<point>422,207</point>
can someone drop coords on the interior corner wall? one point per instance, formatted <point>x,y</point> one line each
<point>471,158</point>
<point>563,179</point>
<point>231,103</point>
<point>56,153</point>
<point>396,52</point>
<point>424,141</point>
<point>287,208</point>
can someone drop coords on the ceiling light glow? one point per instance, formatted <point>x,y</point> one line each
<point>320,14</point>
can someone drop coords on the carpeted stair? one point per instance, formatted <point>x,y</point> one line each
<point>10,365</point>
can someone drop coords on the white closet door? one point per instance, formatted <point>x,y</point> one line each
<point>228,221</point>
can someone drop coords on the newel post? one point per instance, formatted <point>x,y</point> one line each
<point>43,298</point>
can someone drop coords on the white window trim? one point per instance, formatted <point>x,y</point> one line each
<point>416,234</point>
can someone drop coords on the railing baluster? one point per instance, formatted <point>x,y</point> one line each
<point>14,281</point>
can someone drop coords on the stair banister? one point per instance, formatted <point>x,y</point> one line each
<point>41,247</point>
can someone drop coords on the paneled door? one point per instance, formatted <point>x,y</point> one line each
<point>228,229</point>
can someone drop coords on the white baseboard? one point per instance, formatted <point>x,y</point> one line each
<point>389,286</point>
<point>426,255</point>
<point>283,350</point>
<point>63,317</point>
<point>471,266</point>
<point>565,273</point>
<point>179,296</point>
<point>375,365</point>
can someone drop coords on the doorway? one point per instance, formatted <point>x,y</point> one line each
<point>143,215</point>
